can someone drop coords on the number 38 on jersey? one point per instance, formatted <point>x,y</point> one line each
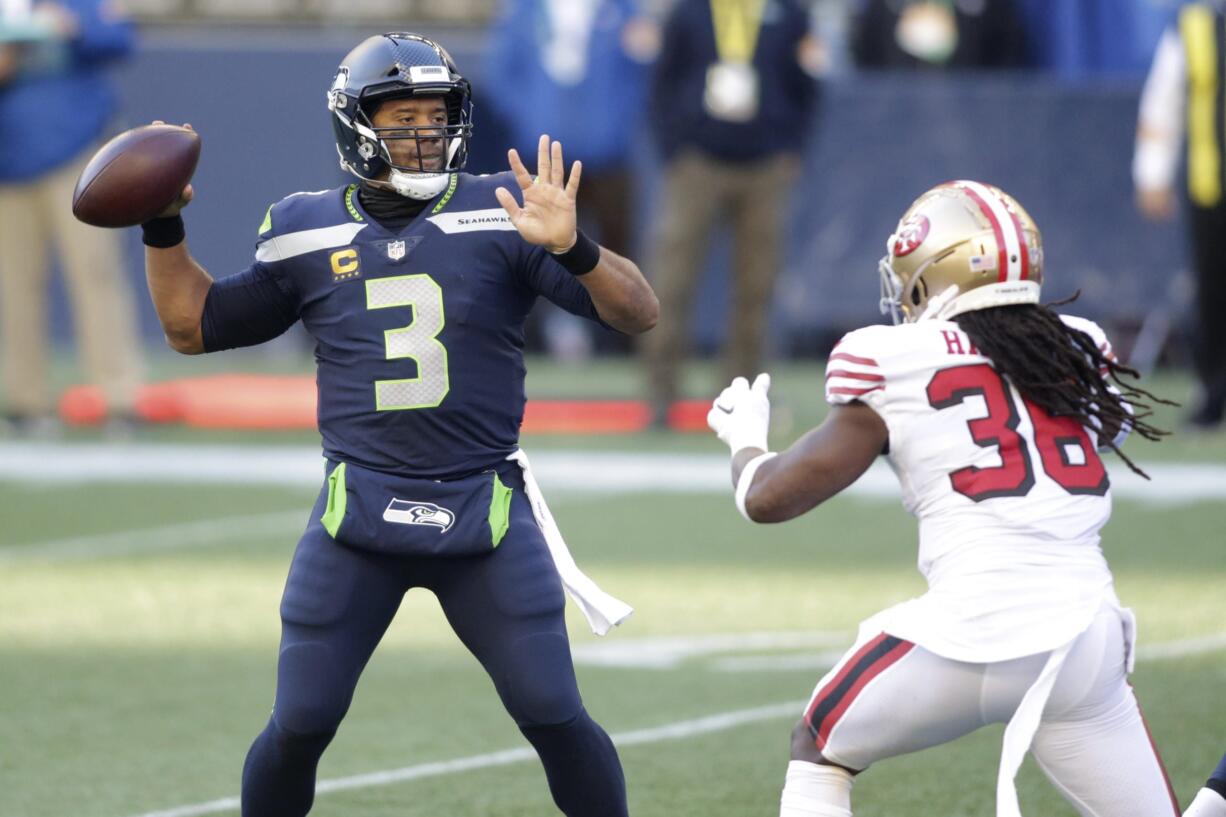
<point>1064,449</point>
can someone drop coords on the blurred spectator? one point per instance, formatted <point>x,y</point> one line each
<point>576,70</point>
<point>55,104</point>
<point>1186,81</point>
<point>1093,37</point>
<point>938,34</point>
<point>731,101</point>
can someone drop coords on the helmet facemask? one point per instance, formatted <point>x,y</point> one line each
<point>434,151</point>
<point>405,66</point>
<point>891,289</point>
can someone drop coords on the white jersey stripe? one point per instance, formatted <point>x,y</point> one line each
<point>291,245</point>
<point>471,221</point>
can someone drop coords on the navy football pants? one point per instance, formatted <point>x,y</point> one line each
<point>506,607</point>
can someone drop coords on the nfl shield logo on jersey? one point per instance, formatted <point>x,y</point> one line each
<point>395,250</point>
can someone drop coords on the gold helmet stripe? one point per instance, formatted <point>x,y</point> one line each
<point>1010,241</point>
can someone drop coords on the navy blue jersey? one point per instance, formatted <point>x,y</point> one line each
<point>419,331</point>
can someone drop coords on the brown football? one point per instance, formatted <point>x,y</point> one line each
<point>136,175</point>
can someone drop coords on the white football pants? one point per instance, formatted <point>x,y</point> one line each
<point>887,697</point>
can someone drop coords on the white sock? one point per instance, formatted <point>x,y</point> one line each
<point>815,790</point>
<point>1208,803</point>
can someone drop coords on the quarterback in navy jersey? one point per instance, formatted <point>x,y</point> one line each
<point>415,283</point>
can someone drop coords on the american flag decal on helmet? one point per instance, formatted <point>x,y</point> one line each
<point>1013,256</point>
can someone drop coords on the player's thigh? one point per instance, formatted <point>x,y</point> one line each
<point>888,697</point>
<point>1093,743</point>
<point>337,604</point>
<point>508,609</point>
<point>1107,766</point>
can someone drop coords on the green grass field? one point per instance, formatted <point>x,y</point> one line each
<point>135,680</point>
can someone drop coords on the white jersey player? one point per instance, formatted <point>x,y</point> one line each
<point>991,409</point>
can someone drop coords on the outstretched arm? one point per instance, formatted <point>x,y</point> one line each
<point>816,467</point>
<point>177,283</point>
<point>621,294</point>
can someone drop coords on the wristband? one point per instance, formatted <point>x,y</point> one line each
<point>747,474</point>
<point>582,258</point>
<point>163,233</point>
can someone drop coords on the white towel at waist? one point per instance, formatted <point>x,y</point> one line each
<point>1025,721</point>
<point>603,612</point>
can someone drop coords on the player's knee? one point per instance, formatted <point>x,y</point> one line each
<point>804,747</point>
<point>540,687</point>
<point>311,700</point>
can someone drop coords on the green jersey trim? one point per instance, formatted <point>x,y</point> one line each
<point>451,186</point>
<point>350,192</point>
<point>500,511</point>
<point>334,512</point>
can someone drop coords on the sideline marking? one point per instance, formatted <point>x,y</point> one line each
<point>152,540</point>
<point>637,737</point>
<point>670,652</point>
<point>1182,648</point>
<point>672,731</point>
<point>564,472</point>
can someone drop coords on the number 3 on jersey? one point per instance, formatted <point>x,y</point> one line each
<point>1065,450</point>
<point>417,341</point>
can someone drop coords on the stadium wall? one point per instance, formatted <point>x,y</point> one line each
<point>1063,148</point>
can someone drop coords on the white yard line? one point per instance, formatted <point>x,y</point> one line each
<point>638,737</point>
<point>559,472</point>
<point>202,532</point>
<point>669,652</point>
<point>1182,648</point>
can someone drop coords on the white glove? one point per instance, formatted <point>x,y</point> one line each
<point>741,415</point>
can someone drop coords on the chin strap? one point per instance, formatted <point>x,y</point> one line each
<point>420,186</point>
<point>423,186</point>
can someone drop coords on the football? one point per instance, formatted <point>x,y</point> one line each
<point>136,175</point>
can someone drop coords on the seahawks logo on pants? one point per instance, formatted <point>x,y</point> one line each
<point>405,512</point>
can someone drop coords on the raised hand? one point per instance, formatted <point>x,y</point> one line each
<point>547,217</point>
<point>740,416</point>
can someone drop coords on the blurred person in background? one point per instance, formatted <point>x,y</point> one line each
<point>1183,94</point>
<point>938,34</point>
<point>732,98</point>
<point>55,106</point>
<point>1092,38</point>
<point>577,70</point>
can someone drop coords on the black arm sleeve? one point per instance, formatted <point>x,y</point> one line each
<point>545,276</point>
<point>252,307</point>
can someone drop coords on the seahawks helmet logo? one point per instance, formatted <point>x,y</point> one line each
<point>406,512</point>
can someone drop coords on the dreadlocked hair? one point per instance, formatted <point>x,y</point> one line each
<point>1063,371</point>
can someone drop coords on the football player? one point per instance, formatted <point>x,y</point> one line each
<point>1210,801</point>
<point>414,282</point>
<point>992,410</point>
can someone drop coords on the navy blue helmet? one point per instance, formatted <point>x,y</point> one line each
<point>393,66</point>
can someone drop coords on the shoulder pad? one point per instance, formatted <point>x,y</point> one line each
<point>852,370</point>
<point>308,210</point>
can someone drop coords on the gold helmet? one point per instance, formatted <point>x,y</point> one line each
<point>959,247</point>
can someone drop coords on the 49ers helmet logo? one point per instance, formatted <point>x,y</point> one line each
<point>910,235</point>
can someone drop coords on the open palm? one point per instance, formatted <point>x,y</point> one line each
<point>547,217</point>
